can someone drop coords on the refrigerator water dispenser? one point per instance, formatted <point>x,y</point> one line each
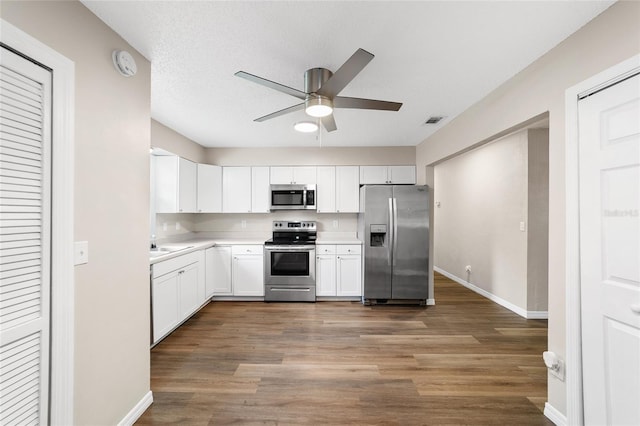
<point>378,235</point>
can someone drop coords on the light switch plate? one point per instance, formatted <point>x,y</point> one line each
<point>81,252</point>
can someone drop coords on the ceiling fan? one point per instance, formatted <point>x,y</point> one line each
<point>321,89</point>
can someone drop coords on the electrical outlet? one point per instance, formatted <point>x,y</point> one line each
<point>177,226</point>
<point>335,224</point>
<point>243,224</point>
<point>467,268</point>
<point>554,364</point>
<point>164,226</point>
<point>522,226</point>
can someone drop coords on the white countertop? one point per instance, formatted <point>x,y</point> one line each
<point>186,246</point>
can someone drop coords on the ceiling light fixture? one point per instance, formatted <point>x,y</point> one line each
<point>305,126</point>
<point>318,106</point>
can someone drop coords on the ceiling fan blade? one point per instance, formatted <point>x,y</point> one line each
<point>272,85</point>
<point>297,107</point>
<point>329,123</point>
<point>360,103</point>
<point>345,73</point>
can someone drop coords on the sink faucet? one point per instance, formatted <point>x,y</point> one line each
<point>153,241</point>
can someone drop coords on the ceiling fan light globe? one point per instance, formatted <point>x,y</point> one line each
<point>305,126</point>
<point>318,107</point>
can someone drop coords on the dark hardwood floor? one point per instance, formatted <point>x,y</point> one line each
<point>465,360</point>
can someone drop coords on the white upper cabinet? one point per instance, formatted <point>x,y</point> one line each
<point>326,189</point>
<point>338,189</point>
<point>347,189</point>
<point>209,199</point>
<point>402,174</point>
<point>236,189</point>
<point>296,175</point>
<point>260,190</point>
<point>175,185</point>
<point>387,175</point>
<point>373,175</point>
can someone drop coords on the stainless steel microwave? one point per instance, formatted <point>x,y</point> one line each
<point>293,197</point>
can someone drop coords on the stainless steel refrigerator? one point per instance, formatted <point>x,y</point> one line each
<point>393,223</point>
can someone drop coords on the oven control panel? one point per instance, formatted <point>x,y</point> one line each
<point>296,226</point>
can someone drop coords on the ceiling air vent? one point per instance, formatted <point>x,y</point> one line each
<point>434,119</point>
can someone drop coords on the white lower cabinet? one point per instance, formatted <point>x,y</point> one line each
<point>338,270</point>
<point>348,275</point>
<point>247,270</point>
<point>326,275</point>
<point>164,305</point>
<point>177,291</point>
<point>218,272</point>
<point>190,295</point>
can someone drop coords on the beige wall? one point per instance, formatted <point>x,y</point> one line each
<point>538,220</point>
<point>607,40</point>
<point>381,156</point>
<point>481,198</point>
<point>112,116</point>
<point>172,141</point>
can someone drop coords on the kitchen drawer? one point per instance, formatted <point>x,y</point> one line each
<point>348,249</point>
<point>170,265</point>
<point>247,249</point>
<point>325,249</point>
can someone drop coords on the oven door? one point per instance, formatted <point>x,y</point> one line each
<point>290,265</point>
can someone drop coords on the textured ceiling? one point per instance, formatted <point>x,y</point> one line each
<point>438,58</point>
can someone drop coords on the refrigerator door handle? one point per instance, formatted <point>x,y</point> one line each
<point>391,234</point>
<point>395,230</point>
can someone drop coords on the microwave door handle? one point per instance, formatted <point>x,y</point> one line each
<point>304,197</point>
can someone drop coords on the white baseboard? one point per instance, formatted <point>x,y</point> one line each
<point>500,301</point>
<point>137,411</point>
<point>431,302</point>
<point>537,315</point>
<point>554,415</point>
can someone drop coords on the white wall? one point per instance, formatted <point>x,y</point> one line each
<point>607,40</point>
<point>111,211</point>
<point>484,196</point>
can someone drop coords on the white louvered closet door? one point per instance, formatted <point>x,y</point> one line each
<point>25,158</point>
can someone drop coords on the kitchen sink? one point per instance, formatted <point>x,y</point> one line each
<point>161,251</point>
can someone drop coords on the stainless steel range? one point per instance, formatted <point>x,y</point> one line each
<point>289,262</point>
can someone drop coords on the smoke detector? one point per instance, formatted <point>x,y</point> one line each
<point>124,63</point>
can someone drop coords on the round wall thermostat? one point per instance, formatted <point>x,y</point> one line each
<point>124,63</point>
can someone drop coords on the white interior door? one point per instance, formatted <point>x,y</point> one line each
<point>25,155</point>
<point>609,146</point>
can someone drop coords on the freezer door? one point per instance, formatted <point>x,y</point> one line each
<point>375,202</point>
<point>411,242</point>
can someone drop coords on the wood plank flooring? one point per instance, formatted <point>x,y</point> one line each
<point>465,361</point>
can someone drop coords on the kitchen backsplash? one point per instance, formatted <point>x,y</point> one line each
<point>171,225</point>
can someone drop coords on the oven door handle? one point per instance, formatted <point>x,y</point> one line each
<point>290,248</point>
